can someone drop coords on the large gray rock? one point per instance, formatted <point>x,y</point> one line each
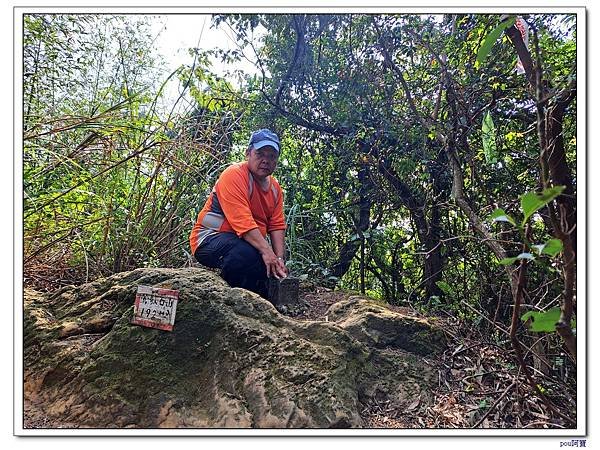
<point>231,360</point>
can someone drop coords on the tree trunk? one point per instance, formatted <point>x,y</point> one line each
<point>427,229</point>
<point>349,249</point>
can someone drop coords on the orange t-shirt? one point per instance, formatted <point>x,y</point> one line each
<point>238,204</point>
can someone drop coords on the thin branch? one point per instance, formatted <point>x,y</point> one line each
<point>491,408</point>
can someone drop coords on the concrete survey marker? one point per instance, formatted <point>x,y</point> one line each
<point>284,291</point>
<point>155,307</point>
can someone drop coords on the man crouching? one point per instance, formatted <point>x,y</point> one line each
<point>244,206</point>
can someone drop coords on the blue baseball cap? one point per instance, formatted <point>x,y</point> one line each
<point>262,138</point>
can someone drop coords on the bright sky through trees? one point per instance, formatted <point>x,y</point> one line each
<point>177,33</point>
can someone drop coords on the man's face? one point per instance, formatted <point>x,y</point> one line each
<point>262,161</point>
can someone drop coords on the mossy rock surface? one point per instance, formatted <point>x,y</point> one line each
<point>232,360</point>
<point>377,326</point>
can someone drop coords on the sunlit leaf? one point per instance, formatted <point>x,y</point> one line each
<point>507,261</point>
<point>488,136</point>
<point>539,248</point>
<point>553,247</point>
<point>542,321</point>
<point>491,39</point>
<point>445,287</point>
<point>525,256</point>
<point>532,201</point>
<point>499,215</point>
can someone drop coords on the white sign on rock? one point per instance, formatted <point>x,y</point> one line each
<point>155,307</point>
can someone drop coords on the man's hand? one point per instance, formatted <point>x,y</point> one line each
<point>283,267</point>
<point>277,239</point>
<point>275,266</point>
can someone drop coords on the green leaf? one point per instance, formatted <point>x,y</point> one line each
<point>532,201</point>
<point>542,321</point>
<point>488,136</point>
<point>553,247</point>
<point>507,261</point>
<point>491,39</point>
<point>499,215</point>
<point>445,287</point>
<point>539,248</point>
<point>525,256</point>
<point>551,193</point>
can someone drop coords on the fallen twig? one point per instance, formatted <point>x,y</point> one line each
<point>491,408</point>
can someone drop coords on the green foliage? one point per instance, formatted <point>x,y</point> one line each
<point>445,287</point>
<point>109,182</point>
<point>491,39</point>
<point>551,248</point>
<point>532,201</point>
<point>488,132</point>
<point>543,322</point>
<point>524,255</point>
<point>499,215</point>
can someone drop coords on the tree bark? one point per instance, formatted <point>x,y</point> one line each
<point>555,171</point>
<point>349,249</point>
<point>427,229</point>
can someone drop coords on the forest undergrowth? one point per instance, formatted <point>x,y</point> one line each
<point>479,384</point>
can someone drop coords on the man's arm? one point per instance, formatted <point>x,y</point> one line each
<point>275,266</point>
<point>278,242</point>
